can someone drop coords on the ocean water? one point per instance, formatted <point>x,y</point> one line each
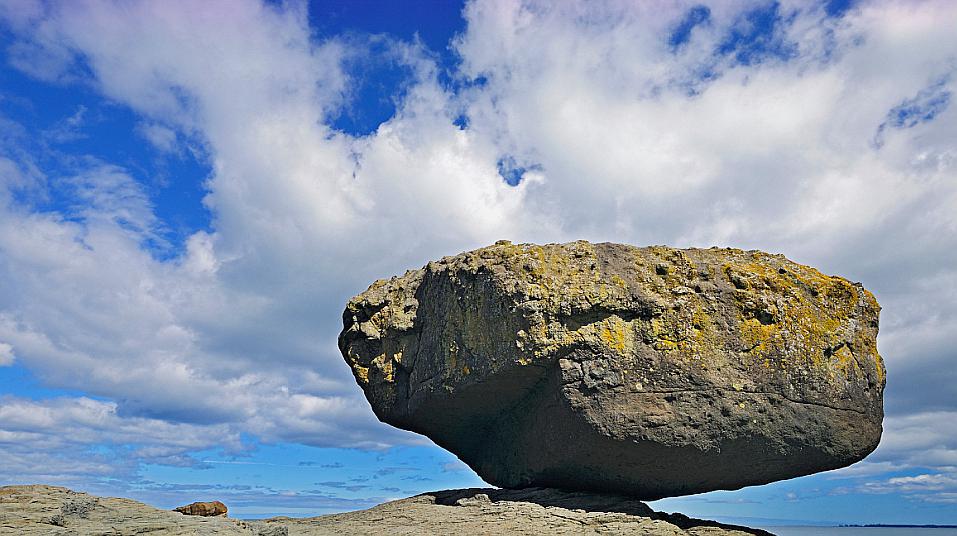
<point>859,531</point>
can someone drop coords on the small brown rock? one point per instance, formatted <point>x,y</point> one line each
<point>206,509</point>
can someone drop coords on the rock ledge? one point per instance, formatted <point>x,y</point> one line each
<point>28,510</point>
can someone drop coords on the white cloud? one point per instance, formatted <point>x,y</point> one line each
<point>924,442</point>
<point>6,355</point>
<point>934,488</point>
<point>161,137</point>
<point>925,439</point>
<point>71,440</point>
<point>68,129</point>
<point>867,468</point>
<point>239,331</point>
<point>107,194</point>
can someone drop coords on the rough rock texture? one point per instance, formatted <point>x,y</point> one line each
<point>28,510</point>
<point>648,371</point>
<point>527,511</point>
<point>212,508</point>
<point>47,510</point>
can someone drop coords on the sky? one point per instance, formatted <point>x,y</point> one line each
<point>191,191</point>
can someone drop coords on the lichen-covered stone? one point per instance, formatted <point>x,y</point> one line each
<point>650,371</point>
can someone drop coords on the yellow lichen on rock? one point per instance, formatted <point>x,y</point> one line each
<point>786,316</point>
<point>362,373</point>
<point>616,334</point>
<point>385,367</point>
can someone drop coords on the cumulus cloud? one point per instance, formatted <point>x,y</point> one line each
<point>610,126</point>
<point>932,488</point>
<point>70,440</point>
<point>924,443</point>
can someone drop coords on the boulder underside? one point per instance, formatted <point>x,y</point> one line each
<point>648,371</point>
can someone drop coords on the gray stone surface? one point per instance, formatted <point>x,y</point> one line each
<point>649,371</point>
<point>48,510</point>
<point>27,511</point>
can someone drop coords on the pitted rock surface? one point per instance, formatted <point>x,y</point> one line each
<point>649,371</point>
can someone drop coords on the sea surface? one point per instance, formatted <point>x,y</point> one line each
<point>860,531</point>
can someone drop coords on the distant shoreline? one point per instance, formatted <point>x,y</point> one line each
<point>901,526</point>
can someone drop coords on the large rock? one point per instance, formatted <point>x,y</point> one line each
<point>649,371</point>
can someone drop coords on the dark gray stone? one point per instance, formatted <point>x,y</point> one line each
<point>647,371</point>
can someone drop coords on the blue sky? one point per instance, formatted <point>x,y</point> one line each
<point>189,193</point>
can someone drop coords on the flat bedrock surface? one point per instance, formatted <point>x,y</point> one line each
<point>28,511</point>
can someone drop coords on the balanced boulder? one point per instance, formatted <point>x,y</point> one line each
<point>650,371</point>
